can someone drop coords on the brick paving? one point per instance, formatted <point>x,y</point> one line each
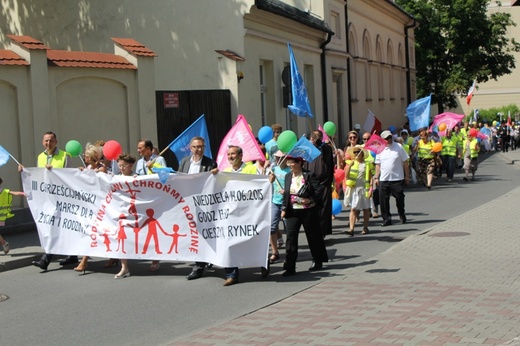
<point>456,284</point>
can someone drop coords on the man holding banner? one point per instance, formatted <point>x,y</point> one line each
<point>234,156</point>
<point>195,163</point>
<point>52,157</point>
<point>144,166</point>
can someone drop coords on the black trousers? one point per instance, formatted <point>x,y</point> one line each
<point>387,189</point>
<point>309,218</point>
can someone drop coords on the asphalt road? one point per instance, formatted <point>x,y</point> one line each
<point>62,307</point>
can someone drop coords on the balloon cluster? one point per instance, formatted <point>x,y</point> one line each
<point>111,150</point>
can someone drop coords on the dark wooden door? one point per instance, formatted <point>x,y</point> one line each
<point>177,110</point>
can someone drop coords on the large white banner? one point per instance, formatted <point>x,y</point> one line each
<point>224,219</point>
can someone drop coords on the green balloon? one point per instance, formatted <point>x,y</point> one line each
<point>330,128</point>
<point>74,148</point>
<point>286,141</point>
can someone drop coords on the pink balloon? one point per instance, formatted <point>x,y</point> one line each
<point>112,149</point>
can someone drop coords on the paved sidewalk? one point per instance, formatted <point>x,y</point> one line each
<point>456,283</point>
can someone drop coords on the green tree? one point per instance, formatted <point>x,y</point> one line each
<point>458,41</point>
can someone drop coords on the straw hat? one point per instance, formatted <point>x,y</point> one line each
<point>350,151</point>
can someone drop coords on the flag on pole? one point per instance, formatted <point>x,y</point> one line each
<point>509,118</point>
<point>325,137</point>
<point>372,123</point>
<point>470,92</point>
<point>304,149</point>
<point>181,145</point>
<point>300,100</point>
<point>375,143</point>
<point>418,113</point>
<point>240,135</point>
<point>4,156</point>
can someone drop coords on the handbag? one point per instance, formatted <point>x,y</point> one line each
<point>305,189</point>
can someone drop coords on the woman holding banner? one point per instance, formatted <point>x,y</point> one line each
<point>94,161</point>
<point>300,207</point>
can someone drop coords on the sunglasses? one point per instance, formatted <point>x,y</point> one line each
<point>366,139</point>
<point>356,152</point>
<point>352,137</point>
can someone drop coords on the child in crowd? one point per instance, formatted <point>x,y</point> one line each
<point>5,210</point>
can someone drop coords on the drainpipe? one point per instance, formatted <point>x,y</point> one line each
<point>407,57</point>
<point>349,84</point>
<point>323,61</point>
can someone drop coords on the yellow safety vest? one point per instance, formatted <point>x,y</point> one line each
<point>449,146</point>
<point>353,175</point>
<point>5,204</point>
<point>58,160</point>
<point>473,148</point>
<point>425,149</point>
<point>247,169</point>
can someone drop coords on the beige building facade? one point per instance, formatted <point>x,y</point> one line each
<point>354,56</point>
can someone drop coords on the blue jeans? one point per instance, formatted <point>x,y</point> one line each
<point>231,272</point>
<point>276,217</point>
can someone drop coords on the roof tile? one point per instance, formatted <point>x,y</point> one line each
<point>8,57</point>
<point>134,47</point>
<point>28,42</point>
<point>63,58</point>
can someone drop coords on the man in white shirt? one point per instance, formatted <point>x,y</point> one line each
<point>392,174</point>
<point>148,159</point>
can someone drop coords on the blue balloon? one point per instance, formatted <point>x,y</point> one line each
<point>392,129</point>
<point>265,134</point>
<point>336,207</point>
<point>373,154</point>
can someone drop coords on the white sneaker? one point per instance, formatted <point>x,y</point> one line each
<point>6,248</point>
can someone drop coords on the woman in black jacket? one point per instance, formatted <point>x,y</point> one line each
<point>300,207</point>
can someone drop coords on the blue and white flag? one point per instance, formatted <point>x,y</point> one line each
<point>181,145</point>
<point>300,100</point>
<point>4,156</point>
<point>418,113</point>
<point>304,149</point>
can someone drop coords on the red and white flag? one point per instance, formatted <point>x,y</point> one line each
<point>240,135</point>
<point>509,118</point>
<point>470,92</point>
<point>372,123</point>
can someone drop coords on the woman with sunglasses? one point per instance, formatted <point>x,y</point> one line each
<point>359,179</point>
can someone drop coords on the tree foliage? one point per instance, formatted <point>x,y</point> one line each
<point>458,41</point>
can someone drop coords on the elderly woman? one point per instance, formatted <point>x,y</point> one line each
<point>300,207</point>
<point>426,159</point>
<point>94,161</point>
<point>359,179</point>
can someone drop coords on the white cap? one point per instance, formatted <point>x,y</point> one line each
<point>385,134</point>
<point>357,127</point>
